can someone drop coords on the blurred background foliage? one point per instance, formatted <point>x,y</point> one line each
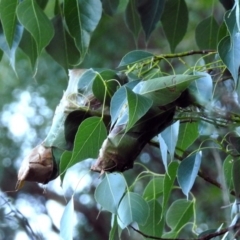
<point>28,101</point>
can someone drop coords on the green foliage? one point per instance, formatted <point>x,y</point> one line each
<point>111,114</point>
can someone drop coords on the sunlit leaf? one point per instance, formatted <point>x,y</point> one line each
<point>163,151</point>
<point>175,21</point>
<point>132,18</point>
<point>153,189</point>
<point>170,136</point>
<point>169,180</point>
<point>179,214</point>
<point>164,90</point>
<point>66,223</point>
<point>153,224</point>
<point>88,140</point>
<point>137,106</point>
<point>150,13</point>
<point>206,33</point>
<point>188,171</point>
<point>132,208</point>
<point>8,19</point>
<point>135,57</point>
<point>110,191</point>
<point>82,18</point>
<point>64,162</point>
<point>36,22</point>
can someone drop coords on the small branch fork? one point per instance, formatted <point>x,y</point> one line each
<point>206,237</point>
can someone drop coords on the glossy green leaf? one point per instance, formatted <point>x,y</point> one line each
<point>222,31</point>
<point>118,100</point>
<point>88,140</point>
<point>188,133</point>
<point>175,21</point>
<point>105,85</point>
<point>11,52</point>
<point>235,177</point>
<point>165,90</point>
<point>229,52</point>
<point>153,189</point>
<point>36,22</point>
<point>132,18</point>
<point>29,47</point>
<point>66,223</point>
<point>188,171</point>
<point>64,162</point>
<point>179,214</point>
<point>110,191</point>
<point>169,180</point>
<point>8,19</point>
<point>69,54</point>
<point>150,13</point>
<point>170,136</point>
<point>132,208</point>
<point>227,171</point>
<point>135,57</point>
<point>153,224</point>
<point>110,7</point>
<point>82,17</point>
<point>137,107</point>
<point>229,47</point>
<point>206,33</point>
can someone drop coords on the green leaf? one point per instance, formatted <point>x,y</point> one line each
<point>229,52</point>
<point>132,18</point>
<point>114,232</point>
<point>227,171</point>
<point>153,189</point>
<point>206,33</point>
<point>179,214</point>
<point>164,90</point>
<point>229,47</point>
<point>1,55</point>
<point>153,225</point>
<point>169,180</point>
<point>137,107</point>
<point>132,208</point>
<point>235,176</point>
<point>68,55</point>
<point>88,140</point>
<point>175,21</point>
<point>150,13</point>
<point>110,7</point>
<point>64,161</point>
<point>188,133</point>
<point>119,99</point>
<point>170,136</point>
<point>36,22</point>
<point>188,171</point>
<point>105,83</point>
<point>8,19</point>
<point>82,17</point>
<point>11,52</point>
<point>29,47</point>
<point>135,57</point>
<point>110,191</point>
<point>66,223</point>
